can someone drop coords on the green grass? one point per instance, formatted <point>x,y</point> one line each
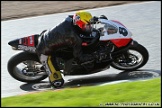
<point>129,92</point>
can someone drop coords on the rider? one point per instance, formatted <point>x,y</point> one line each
<point>69,33</point>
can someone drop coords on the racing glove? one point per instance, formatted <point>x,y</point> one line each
<point>94,20</point>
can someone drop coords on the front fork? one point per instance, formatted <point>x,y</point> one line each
<point>124,52</point>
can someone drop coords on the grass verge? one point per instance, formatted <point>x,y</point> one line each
<point>125,94</point>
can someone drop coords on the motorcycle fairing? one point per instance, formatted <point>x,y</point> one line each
<point>116,32</point>
<point>25,43</point>
<point>121,42</point>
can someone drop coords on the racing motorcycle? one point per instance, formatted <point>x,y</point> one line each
<point>116,47</point>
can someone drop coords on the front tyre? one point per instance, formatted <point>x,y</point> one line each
<point>137,57</point>
<point>26,67</point>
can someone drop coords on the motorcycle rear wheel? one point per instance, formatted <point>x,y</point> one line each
<point>30,68</point>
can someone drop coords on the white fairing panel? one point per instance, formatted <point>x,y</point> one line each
<point>113,30</point>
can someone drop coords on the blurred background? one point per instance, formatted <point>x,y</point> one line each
<point>11,9</point>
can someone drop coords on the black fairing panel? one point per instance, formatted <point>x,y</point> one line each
<point>14,43</point>
<point>30,41</point>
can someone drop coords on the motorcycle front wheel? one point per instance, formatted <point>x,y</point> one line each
<point>26,67</point>
<point>137,57</point>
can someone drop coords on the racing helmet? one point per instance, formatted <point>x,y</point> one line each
<point>82,20</point>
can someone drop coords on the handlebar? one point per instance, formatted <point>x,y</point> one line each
<point>96,19</point>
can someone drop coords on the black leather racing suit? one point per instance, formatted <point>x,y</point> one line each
<point>64,35</point>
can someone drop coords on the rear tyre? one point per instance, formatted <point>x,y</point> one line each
<point>30,68</point>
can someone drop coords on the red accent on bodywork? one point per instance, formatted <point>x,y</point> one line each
<point>121,42</point>
<point>118,22</point>
<point>31,40</point>
<point>84,44</point>
<point>28,41</point>
<point>25,41</point>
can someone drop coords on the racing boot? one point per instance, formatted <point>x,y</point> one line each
<point>50,65</point>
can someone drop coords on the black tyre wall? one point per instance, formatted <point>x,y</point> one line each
<point>18,58</point>
<point>140,49</point>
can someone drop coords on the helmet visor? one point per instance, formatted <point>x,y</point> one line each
<point>85,27</point>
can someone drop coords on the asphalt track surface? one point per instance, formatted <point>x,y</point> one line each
<point>142,19</point>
